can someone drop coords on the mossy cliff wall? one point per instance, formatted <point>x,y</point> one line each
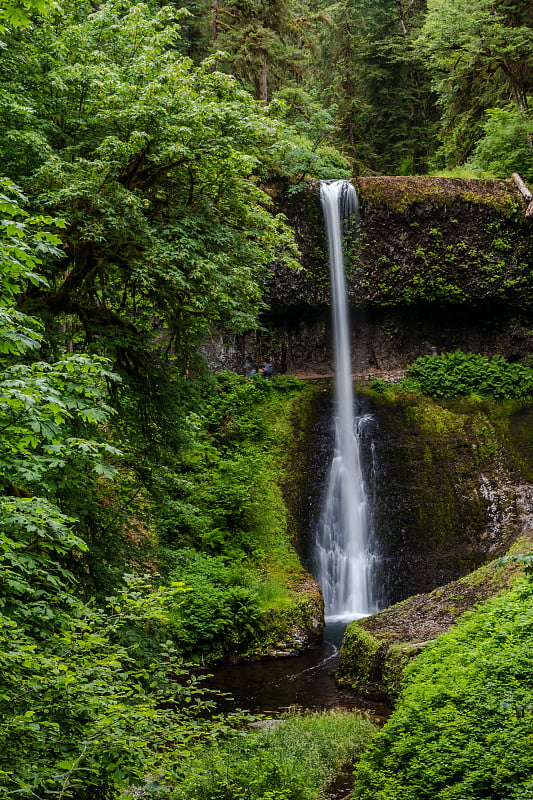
<point>435,262</point>
<point>453,490</point>
<point>450,486</point>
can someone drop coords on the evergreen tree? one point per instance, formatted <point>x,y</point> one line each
<point>261,40</point>
<point>481,55</point>
<point>386,110</point>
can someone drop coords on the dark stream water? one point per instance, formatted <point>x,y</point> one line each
<point>299,684</point>
<point>296,683</point>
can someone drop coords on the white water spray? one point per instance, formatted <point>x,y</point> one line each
<point>343,558</point>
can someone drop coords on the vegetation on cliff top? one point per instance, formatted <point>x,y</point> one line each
<point>466,374</point>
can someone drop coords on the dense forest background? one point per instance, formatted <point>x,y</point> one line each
<point>142,519</point>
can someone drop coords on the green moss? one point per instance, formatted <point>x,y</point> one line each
<point>227,520</point>
<point>358,661</point>
<point>375,651</point>
<point>433,419</point>
<point>401,192</point>
<point>462,727</point>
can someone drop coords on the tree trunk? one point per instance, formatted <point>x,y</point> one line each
<point>524,191</point>
<point>263,85</point>
<point>214,23</point>
<point>401,18</point>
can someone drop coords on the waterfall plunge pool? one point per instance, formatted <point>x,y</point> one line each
<point>296,683</point>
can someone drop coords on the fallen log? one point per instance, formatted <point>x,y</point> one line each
<point>524,191</point>
<point>515,177</point>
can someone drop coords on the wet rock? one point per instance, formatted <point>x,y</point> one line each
<point>447,488</point>
<point>376,650</point>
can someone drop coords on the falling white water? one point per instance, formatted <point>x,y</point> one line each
<point>343,558</point>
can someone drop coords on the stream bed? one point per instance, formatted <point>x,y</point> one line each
<point>295,684</point>
<point>298,683</point>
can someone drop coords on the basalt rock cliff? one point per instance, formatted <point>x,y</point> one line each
<point>434,262</point>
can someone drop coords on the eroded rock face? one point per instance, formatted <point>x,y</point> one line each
<point>454,491</point>
<point>435,262</point>
<point>300,342</point>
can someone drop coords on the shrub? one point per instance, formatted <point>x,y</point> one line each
<point>463,726</point>
<point>460,373</point>
<point>505,146</point>
<point>82,717</point>
<point>219,611</point>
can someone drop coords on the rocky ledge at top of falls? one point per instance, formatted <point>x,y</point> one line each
<point>435,261</point>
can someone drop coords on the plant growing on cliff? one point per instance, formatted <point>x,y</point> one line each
<point>458,373</point>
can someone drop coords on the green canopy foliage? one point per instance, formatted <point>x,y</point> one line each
<point>92,700</point>
<point>481,56</point>
<point>149,160</point>
<point>17,14</point>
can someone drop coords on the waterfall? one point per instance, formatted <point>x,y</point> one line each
<point>343,558</point>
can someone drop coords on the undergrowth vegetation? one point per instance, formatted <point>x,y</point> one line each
<point>458,373</point>
<point>295,759</point>
<point>210,497</point>
<point>462,729</point>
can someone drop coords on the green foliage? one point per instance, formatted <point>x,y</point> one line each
<point>385,106</point>
<point>294,759</point>
<point>260,42</point>
<point>52,447</point>
<point>506,144</point>
<point>525,559</point>
<point>468,373</point>
<point>149,160</point>
<point>218,614</point>
<point>24,240</point>
<point>204,464</point>
<point>17,14</point>
<point>228,499</point>
<point>91,700</point>
<point>462,727</point>
<point>82,716</point>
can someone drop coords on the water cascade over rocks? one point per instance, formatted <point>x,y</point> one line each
<point>343,551</point>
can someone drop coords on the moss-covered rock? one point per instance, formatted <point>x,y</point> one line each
<point>292,628</point>
<point>448,489</point>
<point>441,240</point>
<point>376,650</point>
